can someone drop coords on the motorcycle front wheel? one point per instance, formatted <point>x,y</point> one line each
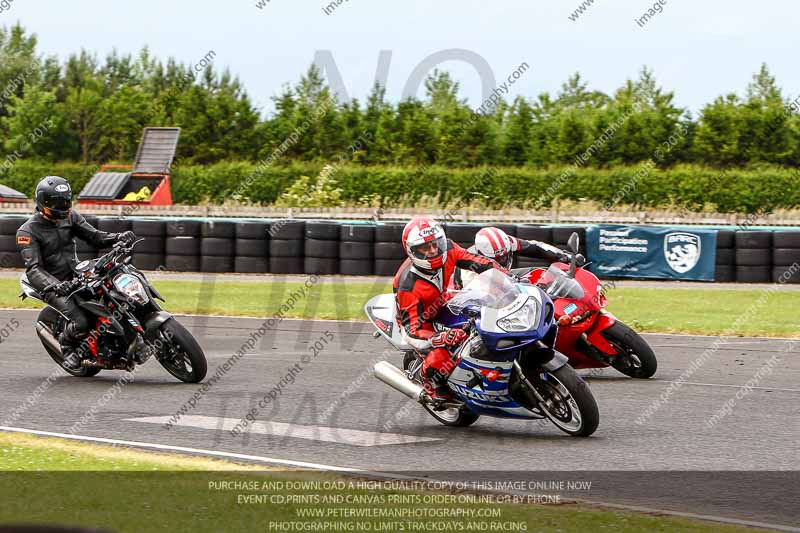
<point>182,356</point>
<point>568,401</point>
<point>635,358</point>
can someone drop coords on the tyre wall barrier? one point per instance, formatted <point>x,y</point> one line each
<point>361,249</point>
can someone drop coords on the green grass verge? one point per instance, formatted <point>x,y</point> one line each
<point>53,481</point>
<point>661,310</point>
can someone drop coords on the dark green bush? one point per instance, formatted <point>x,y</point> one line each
<point>737,190</point>
<point>25,174</point>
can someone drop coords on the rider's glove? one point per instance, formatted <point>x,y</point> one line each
<point>63,288</point>
<point>126,236</point>
<point>567,258</point>
<point>449,337</point>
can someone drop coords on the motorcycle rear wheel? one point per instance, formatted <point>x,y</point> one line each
<point>49,319</point>
<point>454,417</point>
<point>635,358</point>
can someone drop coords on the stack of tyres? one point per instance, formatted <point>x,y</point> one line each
<point>388,247</point>
<point>510,229</point>
<point>84,249</point>
<point>753,256</point>
<point>112,225</point>
<point>462,234</point>
<point>533,233</point>
<point>149,254</point>
<point>725,271</point>
<point>356,249</point>
<point>183,245</point>
<point>218,246</point>
<point>786,257</point>
<point>252,247</point>
<point>286,247</point>
<point>561,235</point>
<point>321,248</point>
<point>9,253</point>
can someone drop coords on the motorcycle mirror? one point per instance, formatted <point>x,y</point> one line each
<point>573,245</point>
<point>573,264</point>
<point>574,242</point>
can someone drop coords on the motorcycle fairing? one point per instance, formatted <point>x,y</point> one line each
<point>382,312</point>
<point>470,379</point>
<point>595,335</point>
<point>494,336</point>
<point>469,382</point>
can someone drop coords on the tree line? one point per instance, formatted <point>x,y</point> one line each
<point>93,110</point>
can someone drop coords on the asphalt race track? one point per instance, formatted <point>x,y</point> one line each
<point>742,467</point>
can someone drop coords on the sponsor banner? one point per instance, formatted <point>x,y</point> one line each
<point>652,252</point>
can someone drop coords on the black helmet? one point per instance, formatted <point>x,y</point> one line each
<point>53,197</point>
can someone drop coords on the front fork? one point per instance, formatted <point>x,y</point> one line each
<point>557,361</point>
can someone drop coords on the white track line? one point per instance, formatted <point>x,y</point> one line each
<point>351,437</point>
<point>723,385</point>
<point>183,449</point>
<point>370,473</point>
<point>755,339</point>
<point>764,340</point>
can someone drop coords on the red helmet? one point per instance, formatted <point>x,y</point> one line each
<point>425,243</point>
<point>495,244</point>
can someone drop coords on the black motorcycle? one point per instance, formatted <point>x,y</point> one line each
<point>129,324</point>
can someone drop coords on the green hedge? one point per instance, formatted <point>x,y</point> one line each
<point>738,190</point>
<point>24,175</point>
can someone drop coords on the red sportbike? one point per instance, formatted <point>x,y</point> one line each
<point>588,335</point>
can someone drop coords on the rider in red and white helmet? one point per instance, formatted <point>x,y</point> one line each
<point>420,292</point>
<point>496,244</point>
<point>425,243</point>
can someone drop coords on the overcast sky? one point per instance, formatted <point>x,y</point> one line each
<point>700,49</point>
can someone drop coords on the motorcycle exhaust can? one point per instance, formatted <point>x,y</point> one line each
<point>396,378</point>
<point>47,337</point>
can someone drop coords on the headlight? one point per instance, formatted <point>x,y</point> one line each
<point>521,320</point>
<point>131,287</point>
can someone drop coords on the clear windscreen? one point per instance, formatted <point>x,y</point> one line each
<point>489,289</point>
<point>557,284</point>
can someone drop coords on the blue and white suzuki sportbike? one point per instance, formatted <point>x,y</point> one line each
<point>507,368</point>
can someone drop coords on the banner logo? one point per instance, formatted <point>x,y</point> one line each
<point>682,251</point>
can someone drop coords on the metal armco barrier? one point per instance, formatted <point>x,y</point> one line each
<point>359,248</point>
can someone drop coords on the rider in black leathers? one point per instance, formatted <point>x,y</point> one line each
<point>46,242</point>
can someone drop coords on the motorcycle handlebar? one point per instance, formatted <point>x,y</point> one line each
<point>119,247</point>
<point>75,283</point>
<point>49,288</point>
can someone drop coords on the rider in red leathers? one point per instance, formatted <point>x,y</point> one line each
<point>420,292</point>
<point>496,244</point>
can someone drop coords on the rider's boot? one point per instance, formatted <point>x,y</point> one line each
<point>435,384</point>
<point>141,350</point>
<point>72,360</point>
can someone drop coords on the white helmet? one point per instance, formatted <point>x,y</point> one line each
<point>495,244</point>
<point>425,243</point>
